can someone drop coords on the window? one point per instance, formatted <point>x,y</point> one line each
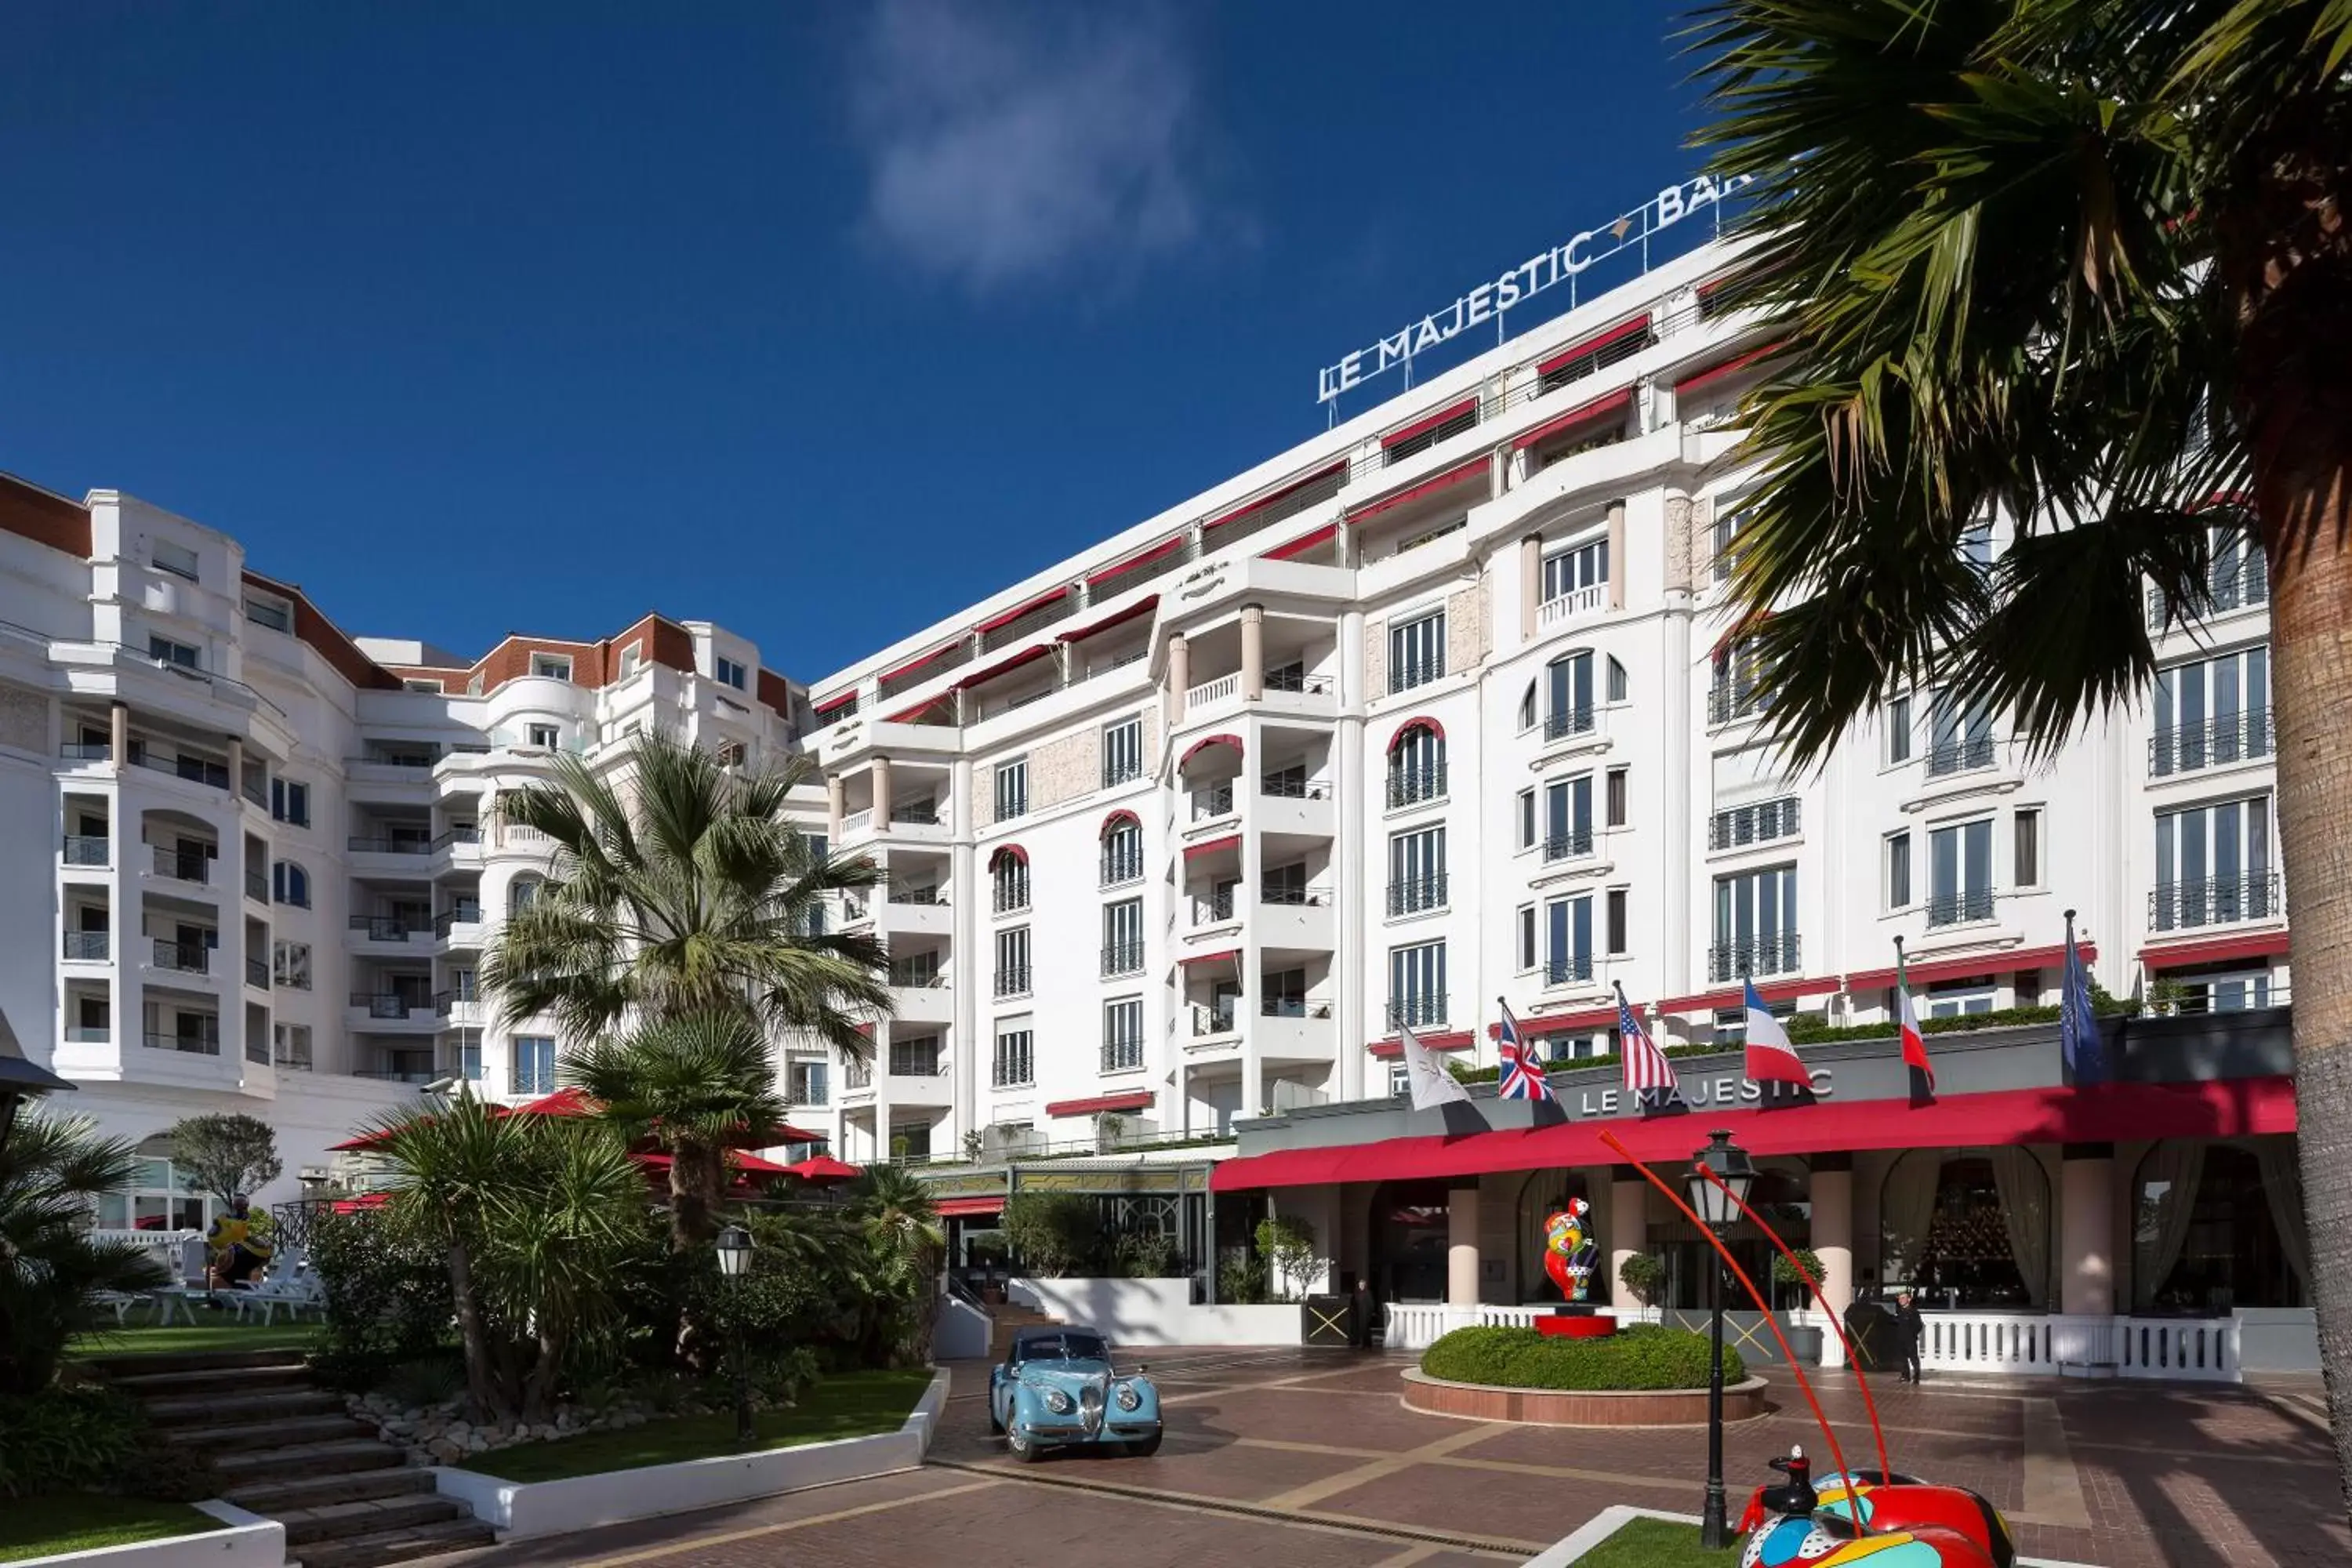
<point>1621,685</point>
<point>2211,712</point>
<point>1416,871</point>
<point>1122,752</point>
<point>184,656</point>
<point>1012,962</point>
<point>1009,877</point>
<point>1122,1035</point>
<point>1617,797</point>
<point>1579,575</point>
<point>1567,940</point>
<point>1527,708</point>
<point>633,659</point>
<point>1898,730</point>
<point>177,558</point>
<point>522,894</point>
<point>1963,737</point>
<point>542,736</point>
<point>551,666</point>
<point>1959,873</point>
<point>1754,924</point>
<point>1567,695</point>
<point>2213,865</point>
<point>289,803</point>
<point>1729,521</point>
<point>1417,652</point>
<point>916,1058</point>
<point>1416,765</point>
<point>731,754</point>
<point>2026,844</point>
<point>1122,928</point>
<point>1417,985</point>
<point>1291,677</point>
<point>1527,938</point>
<point>1618,935</point>
<point>290,965</point>
<point>1731,1023</point>
<point>809,1082</point>
<point>2224,992</point>
<point>418,683</point>
<point>534,1063</point>
<point>1567,817</point>
<point>1122,851</point>
<point>1012,789</point>
<point>1527,817</point>
<point>268,610</point>
<point>1898,870</point>
<point>1738,687</point>
<point>729,673</point>
<point>1015,1064</point>
<point>290,884</point>
<point>1958,998</point>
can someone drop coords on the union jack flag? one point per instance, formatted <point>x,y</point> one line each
<point>1522,1074</point>
<point>1645,1066</point>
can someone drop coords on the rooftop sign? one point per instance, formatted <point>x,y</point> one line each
<point>1546,270</point>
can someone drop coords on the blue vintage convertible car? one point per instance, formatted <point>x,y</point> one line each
<point>1058,1390</point>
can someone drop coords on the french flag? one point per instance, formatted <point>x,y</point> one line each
<point>1771,1057</point>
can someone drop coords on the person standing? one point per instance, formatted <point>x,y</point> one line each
<point>1909,1329</point>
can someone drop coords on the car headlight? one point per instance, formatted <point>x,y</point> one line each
<point>1128,1398</point>
<point>1057,1402</point>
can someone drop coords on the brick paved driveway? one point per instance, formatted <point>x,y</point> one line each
<point>1308,1458</point>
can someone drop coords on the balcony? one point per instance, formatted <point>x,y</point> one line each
<point>919,813</point>
<point>1012,982</point>
<point>2243,585</point>
<point>200,1044</point>
<point>390,1005</point>
<point>1563,723</point>
<point>2218,743</point>
<point>1209,1021</point>
<point>1415,787</point>
<point>1959,754</point>
<point>1122,958</point>
<point>1288,787</point>
<point>89,946</point>
<point>1734,827</point>
<point>1414,672</point>
<point>183,957</point>
<point>464,833</point>
<point>1734,699</point>
<point>460,1000</point>
<point>184,866</point>
<point>256,974</point>
<point>1417,1013</point>
<point>257,884</point>
<point>925,895</point>
<point>1417,895</point>
<point>85,850</point>
<point>1215,801</point>
<point>449,920</point>
<point>1118,869</point>
<point>1210,691</point>
<point>1740,960</point>
<point>1572,845</point>
<point>1122,1055</point>
<point>1569,969</point>
<point>2177,906</point>
<point>195,769</point>
<point>382,928</point>
<point>87,752</point>
<point>375,845</point>
<point>1214,909</point>
<point>1575,604</point>
<point>1010,898</point>
<point>1960,908</point>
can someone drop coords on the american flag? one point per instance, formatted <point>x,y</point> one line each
<point>1522,1074</point>
<point>1645,1067</point>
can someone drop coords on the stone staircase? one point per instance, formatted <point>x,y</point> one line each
<point>1007,1319</point>
<point>285,1448</point>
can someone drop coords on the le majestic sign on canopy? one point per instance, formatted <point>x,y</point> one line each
<point>1543,270</point>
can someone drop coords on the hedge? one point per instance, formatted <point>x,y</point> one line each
<point>1641,1355</point>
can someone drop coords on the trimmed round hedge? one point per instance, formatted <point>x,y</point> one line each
<point>1640,1356</point>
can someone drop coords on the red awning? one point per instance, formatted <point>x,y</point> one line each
<point>1961,968</point>
<point>2227,950</point>
<point>1262,502</point>
<point>953,1209</point>
<point>1004,666</point>
<point>1204,743</point>
<point>1459,1040</point>
<point>1431,421</point>
<point>1732,366</point>
<point>1140,607</point>
<point>1210,846</point>
<point>1116,817</point>
<point>1563,1023</point>
<point>1615,403</point>
<point>830,703</point>
<point>922,659</point>
<point>1420,722</point>
<point>1006,618</point>
<point>1008,852</point>
<point>2111,1112</point>
<point>1222,952</point>
<point>908,715</point>
<point>1452,476</point>
<point>1133,1099</point>
<point>1594,343</point>
<point>1302,544</point>
<point>1141,558</point>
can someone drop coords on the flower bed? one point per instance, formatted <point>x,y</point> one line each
<point>1642,1376</point>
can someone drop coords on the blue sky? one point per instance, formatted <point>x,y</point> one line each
<point>818,321</point>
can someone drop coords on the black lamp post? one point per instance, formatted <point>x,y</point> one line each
<point>1715,1206</point>
<point>19,1081</point>
<point>734,1263</point>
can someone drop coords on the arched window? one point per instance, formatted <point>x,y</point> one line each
<point>1122,848</point>
<point>290,884</point>
<point>2216,1226</point>
<point>1620,686</point>
<point>522,894</point>
<point>1568,695</point>
<point>1527,708</point>
<point>1417,762</point>
<point>1008,873</point>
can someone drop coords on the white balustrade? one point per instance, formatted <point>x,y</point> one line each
<point>1573,605</point>
<point>2203,1350</point>
<point>2008,1344</point>
<point>164,1245</point>
<point>1215,691</point>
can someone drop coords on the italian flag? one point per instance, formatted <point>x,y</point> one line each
<point>1915,1044</point>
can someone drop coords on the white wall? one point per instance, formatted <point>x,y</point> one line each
<point>1131,1312</point>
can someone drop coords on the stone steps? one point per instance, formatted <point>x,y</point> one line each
<point>256,1465</point>
<point>398,1545</point>
<point>367,1516</point>
<point>229,1379</point>
<point>273,1432</point>
<point>224,1409</point>
<point>276,1497</point>
<point>146,1369</point>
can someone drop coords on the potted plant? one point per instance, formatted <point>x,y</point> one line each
<point>1805,1341</point>
<point>1644,1274</point>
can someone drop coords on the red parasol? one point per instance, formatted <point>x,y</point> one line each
<point>823,1168</point>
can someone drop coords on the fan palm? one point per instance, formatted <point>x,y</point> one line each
<point>2087,261</point>
<point>53,1170</point>
<point>687,891</point>
<point>697,1084</point>
<point>901,1225</point>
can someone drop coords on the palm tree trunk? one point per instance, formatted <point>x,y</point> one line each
<point>2305,512</point>
<point>480,1396</point>
<point>539,1390</point>
<point>688,1213</point>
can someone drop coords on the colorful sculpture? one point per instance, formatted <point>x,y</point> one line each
<point>1896,1523</point>
<point>1570,1250</point>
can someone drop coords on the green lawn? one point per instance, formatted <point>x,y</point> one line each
<point>849,1405</point>
<point>180,1338</point>
<point>79,1521</point>
<point>1655,1543</point>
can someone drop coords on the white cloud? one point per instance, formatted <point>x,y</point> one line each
<point>1012,145</point>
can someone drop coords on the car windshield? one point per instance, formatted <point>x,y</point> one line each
<point>1065,1347</point>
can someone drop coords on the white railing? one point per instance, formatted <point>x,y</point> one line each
<point>1215,691</point>
<point>1576,601</point>
<point>2015,1344</point>
<point>2203,1350</point>
<point>166,1244</point>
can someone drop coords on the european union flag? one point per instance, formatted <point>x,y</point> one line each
<point>2078,1022</point>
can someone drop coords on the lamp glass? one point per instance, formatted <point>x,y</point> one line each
<point>734,1251</point>
<point>1729,1161</point>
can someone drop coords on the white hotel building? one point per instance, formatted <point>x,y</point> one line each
<point>1426,710</point>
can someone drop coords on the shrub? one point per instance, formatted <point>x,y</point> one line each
<point>1641,1356</point>
<point>66,1439</point>
<point>1146,1255</point>
<point>1241,1281</point>
<point>1287,1243</point>
<point>1644,1274</point>
<point>1052,1233</point>
<point>1784,1273</point>
<point>387,1299</point>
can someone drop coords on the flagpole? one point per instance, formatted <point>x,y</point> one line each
<point>1901,978</point>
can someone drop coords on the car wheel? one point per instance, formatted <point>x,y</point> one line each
<point>1022,1446</point>
<point>1144,1447</point>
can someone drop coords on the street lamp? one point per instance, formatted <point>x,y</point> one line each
<point>734,1263</point>
<point>19,1081</point>
<point>1718,1207</point>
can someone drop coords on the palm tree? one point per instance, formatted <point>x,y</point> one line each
<point>53,1170</point>
<point>688,891</point>
<point>901,1225</point>
<point>2087,261</point>
<point>695,1085</point>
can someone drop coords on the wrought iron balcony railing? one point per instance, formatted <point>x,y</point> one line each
<point>1728,961</point>
<point>2217,742</point>
<point>2222,900</point>
<point>1761,823</point>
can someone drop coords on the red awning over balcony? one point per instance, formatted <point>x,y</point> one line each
<point>1304,542</point>
<point>2222,949</point>
<point>1451,476</point>
<point>2233,1108</point>
<point>1141,558</point>
<point>1221,954</point>
<point>1430,421</point>
<point>1004,666</point>
<point>1929,973</point>
<point>1247,507</point>
<point>1204,743</point>
<point>1458,1040</point>
<point>1594,343</point>
<point>1729,367</point>
<point>1140,607</point>
<point>1212,845</point>
<point>953,1208</point>
<point>1006,618</point>
<point>1133,1099</point>
<point>1599,408</point>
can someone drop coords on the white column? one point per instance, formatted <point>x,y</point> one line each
<point>1833,1199</point>
<point>2087,1232</point>
<point>881,795</point>
<point>835,794</point>
<point>1253,652</point>
<point>1180,677</point>
<point>1628,1228</point>
<point>1616,554</point>
<point>1348,859</point>
<point>119,735</point>
<point>1462,1248</point>
<point>1531,584</point>
<point>969,1054</point>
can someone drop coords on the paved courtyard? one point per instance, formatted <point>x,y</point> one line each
<point>1307,1457</point>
